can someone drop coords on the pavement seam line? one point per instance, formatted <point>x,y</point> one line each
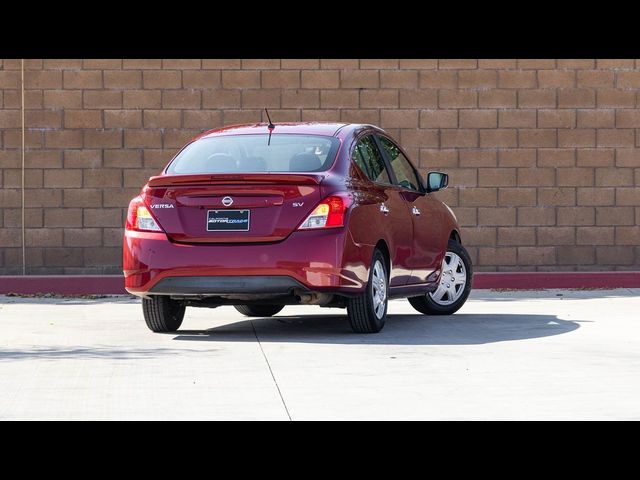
<point>284,404</point>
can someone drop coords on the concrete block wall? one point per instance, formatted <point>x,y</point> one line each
<point>543,155</point>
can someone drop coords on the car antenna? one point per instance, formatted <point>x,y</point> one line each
<point>271,126</point>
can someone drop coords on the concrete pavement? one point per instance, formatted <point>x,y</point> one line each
<point>506,355</point>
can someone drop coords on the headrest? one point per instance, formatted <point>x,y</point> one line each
<point>252,164</point>
<point>221,162</point>
<point>304,162</point>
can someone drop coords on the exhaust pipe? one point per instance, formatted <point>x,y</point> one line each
<point>313,298</point>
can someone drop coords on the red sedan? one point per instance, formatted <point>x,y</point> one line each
<point>262,216</point>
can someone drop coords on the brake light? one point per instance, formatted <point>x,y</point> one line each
<point>328,214</point>
<point>139,217</point>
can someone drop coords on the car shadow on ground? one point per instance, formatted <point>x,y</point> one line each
<point>458,329</point>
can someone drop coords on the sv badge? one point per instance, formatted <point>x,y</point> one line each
<point>298,204</point>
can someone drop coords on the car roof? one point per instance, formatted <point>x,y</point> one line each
<point>310,128</point>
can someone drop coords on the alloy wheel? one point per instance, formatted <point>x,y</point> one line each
<point>452,280</point>
<point>379,289</point>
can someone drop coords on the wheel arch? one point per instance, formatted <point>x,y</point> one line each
<point>455,235</point>
<point>382,246</point>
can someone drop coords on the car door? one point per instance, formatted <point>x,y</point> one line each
<point>384,210</point>
<point>426,248</point>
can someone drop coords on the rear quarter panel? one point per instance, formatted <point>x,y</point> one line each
<point>364,228</point>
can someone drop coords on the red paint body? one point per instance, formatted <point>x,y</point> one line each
<point>334,260</point>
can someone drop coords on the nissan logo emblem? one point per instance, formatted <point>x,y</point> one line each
<point>227,201</point>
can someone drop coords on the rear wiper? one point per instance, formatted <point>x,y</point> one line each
<point>271,126</point>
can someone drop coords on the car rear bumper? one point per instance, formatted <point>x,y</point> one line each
<point>225,285</point>
<point>324,261</point>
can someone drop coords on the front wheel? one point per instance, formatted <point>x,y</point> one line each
<point>368,311</point>
<point>454,287</point>
<point>162,314</point>
<point>258,310</point>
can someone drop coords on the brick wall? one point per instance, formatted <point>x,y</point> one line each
<point>544,155</point>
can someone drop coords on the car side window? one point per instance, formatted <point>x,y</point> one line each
<point>404,172</point>
<point>367,156</point>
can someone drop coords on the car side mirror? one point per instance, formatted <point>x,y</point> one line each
<point>436,181</point>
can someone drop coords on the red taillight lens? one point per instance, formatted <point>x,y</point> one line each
<point>132,213</point>
<point>328,214</point>
<point>139,217</point>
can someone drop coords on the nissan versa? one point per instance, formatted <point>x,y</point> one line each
<point>262,216</point>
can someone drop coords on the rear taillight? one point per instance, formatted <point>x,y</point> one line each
<point>328,214</point>
<point>139,217</point>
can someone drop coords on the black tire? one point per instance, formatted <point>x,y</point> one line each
<point>426,305</point>
<point>162,314</point>
<point>259,310</point>
<point>361,310</point>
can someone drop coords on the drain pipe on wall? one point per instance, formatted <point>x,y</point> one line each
<point>24,258</point>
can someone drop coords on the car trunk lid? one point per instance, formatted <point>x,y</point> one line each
<point>197,208</point>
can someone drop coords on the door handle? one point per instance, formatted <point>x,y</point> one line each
<point>384,209</point>
<point>415,211</point>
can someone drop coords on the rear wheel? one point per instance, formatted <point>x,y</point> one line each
<point>259,310</point>
<point>162,314</point>
<point>368,311</point>
<point>454,287</point>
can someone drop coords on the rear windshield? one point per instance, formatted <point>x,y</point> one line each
<point>254,153</point>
